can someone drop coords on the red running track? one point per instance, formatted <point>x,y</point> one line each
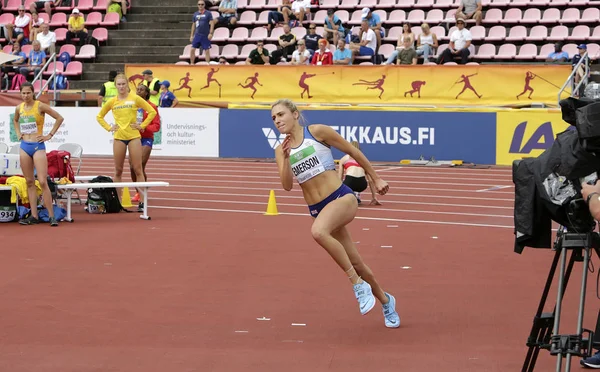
<point>185,291</point>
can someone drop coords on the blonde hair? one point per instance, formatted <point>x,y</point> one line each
<point>355,144</point>
<point>290,106</point>
<point>124,77</point>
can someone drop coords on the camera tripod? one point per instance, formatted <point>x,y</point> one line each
<point>545,330</point>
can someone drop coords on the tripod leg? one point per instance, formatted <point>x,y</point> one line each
<point>586,258</point>
<point>559,297</point>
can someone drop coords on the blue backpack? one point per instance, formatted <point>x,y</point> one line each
<point>60,82</point>
<point>65,58</point>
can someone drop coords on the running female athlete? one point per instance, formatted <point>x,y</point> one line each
<point>306,155</point>
<point>29,126</point>
<point>126,129</point>
<point>356,178</point>
<point>147,137</point>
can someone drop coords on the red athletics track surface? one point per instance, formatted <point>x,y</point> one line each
<point>183,291</point>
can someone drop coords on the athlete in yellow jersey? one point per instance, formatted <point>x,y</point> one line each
<point>29,126</point>
<point>126,129</point>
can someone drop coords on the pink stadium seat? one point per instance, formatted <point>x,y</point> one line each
<point>74,68</point>
<point>478,32</point>
<point>93,19</point>
<point>506,51</point>
<point>492,16</point>
<point>38,84</point>
<point>472,64</point>
<point>27,48</point>
<point>185,54</point>
<point>540,3</point>
<point>355,18</point>
<point>393,34</point>
<point>272,4</point>
<point>439,31</point>
<point>67,8</point>
<point>550,16</point>
<point>110,19</point>
<point>559,3</point>
<point>44,16</point>
<point>517,33</point>
<point>424,4</point>
<point>486,51</point>
<point>320,30</point>
<point>579,2</point>
<point>50,70</point>
<point>242,4</point>
<point>299,32</point>
<point>397,17</point>
<point>229,51</point>
<point>595,34</point>
<point>343,15</point>
<point>12,5</point>
<point>571,49</point>
<point>434,16</point>
<point>545,50</point>
<point>520,3</point>
<point>387,3</point>
<point>214,51</point>
<point>527,51</point>
<point>590,15</point>
<point>88,51</point>
<point>85,5</point>
<point>256,4</point>
<point>278,31</point>
<point>263,18</point>
<point>100,5</point>
<point>450,15</point>
<point>531,15</point>
<point>214,14</point>
<point>7,18</point>
<point>416,16</point>
<point>405,4</point>
<point>387,49</point>
<point>239,35</point>
<point>240,62</point>
<point>382,15</point>
<point>570,15</point>
<point>348,4</point>
<point>7,49</point>
<point>593,50</point>
<point>496,33</point>
<point>417,31</point>
<point>246,49</point>
<point>451,63</point>
<point>443,4</point>
<point>61,34</point>
<point>538,33</point>
<point>512,15</point>
<point>182,63</point>
<point>330,4</point>
<point>101,34</point>
<point>368,3</point>
<point>271,48</point>
<point>259,33</point>
<point>366,63</point>
<point>500,3</point>
<point>221,34</point>
<point>247,18</point>
<point>319,17</point>
<point>69,48</point>
<point>580,32</point>
<point>58,20</point>
<point>27,4</point>
<point>558,33</point>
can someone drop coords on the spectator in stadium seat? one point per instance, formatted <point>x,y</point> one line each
<point>44,5</point>
<point>223,61</point>
<point>581,70</point>
<point>228,14</point>
<point>558,55</point>
<point>47,39</point>
<point>407,34</point>
<point>167,98</point>
<point>34,25</point>
<point>154,84</point>
<point>119,7</point>
<point>283,15</point>
<point>333,28</point>
<point>311,39</point>
<point>16,64</point>
<point>469,9</point>
<point>76,28</point>
<point>460,41</point>
<point>202,32</point>
<point>427,43</point>
<point>323,55</point>
<point>19,27</point>
<point>108,90</point>
<point>300,9</point>
<point>342,55</point>
<point>286,47</point>
<point>375,24</point>
<point>407,55</point>
<point>36,60</point>
<point>368,41</point>
<point>258,56</point>
<point>301,56</point>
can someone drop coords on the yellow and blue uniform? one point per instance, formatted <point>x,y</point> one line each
<point>31,122</point>
<point>125,113</point>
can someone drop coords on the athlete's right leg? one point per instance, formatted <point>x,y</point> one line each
<point>119,152</point>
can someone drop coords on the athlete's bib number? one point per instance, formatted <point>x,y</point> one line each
<point>28,127</point>
<point>306,164</point>
<point>7,214</point>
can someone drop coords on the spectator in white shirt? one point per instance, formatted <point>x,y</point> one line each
<point>17,28</point>
<point>47,39</point>
<point>34,26</point>
<point>368,41</point>
<point>300,9</point>
<point>301,56</point>
<point>460,41</point>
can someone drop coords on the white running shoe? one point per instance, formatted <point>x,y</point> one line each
<point>365,297</point>
<point>392,319</point>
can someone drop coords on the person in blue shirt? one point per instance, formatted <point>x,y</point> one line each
<point>333,28</point>
<point>37,59</point>
<point>558,55</point>
<point>167,98</point>
<point>202,32</point>
<point>342,55</point>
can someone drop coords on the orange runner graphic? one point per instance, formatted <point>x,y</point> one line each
<point>377,84</point>
<point>528,77</point>
<point>302,83</point>
<point>416,88</point>
<point>465,79</point>
<point>186,80</point>
<point>253,80</point>
<point>209,78</point>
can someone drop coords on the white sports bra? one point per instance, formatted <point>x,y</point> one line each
<point>311,158</point>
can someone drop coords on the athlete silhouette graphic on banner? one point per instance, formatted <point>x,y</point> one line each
<point>302,83</point>
<point>186,80</point>
<point>416,88</point>
<point>377,84</point>
<point>465,79</point>
<point>209,78</point>
<point>253,80</point>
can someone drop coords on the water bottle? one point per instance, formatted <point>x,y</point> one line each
<point>140,116</point>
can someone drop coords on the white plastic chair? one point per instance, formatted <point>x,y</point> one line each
<point>3,148</point>
<point>15,150</point>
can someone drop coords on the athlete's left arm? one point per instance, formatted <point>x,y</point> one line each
<point>45,109</point>
<point>326,134</point>
<point>149,109</point>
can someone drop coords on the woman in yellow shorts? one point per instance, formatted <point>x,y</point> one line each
<point>126,129</point>
<point>29,127</point>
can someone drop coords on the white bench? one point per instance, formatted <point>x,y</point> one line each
<point>142,186</point>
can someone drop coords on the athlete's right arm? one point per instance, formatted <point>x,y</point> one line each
<point>285,168</point>
<point>16,123</point>
<point>103,111</point>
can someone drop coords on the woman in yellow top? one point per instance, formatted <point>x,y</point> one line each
<point>29,126</point>
<point>126,129</point>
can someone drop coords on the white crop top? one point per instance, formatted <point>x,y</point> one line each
<point>311,158</point>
